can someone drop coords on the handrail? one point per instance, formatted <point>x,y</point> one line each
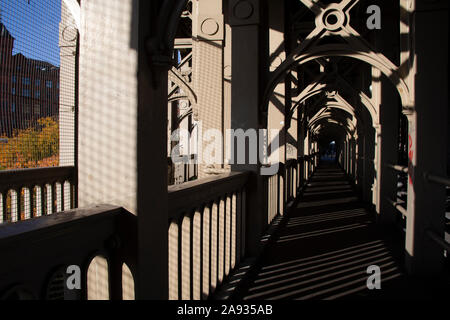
<point>52,243</point>
<point>281,167</point>
<point>438,240</point>
<point>11,179</point>
<point>198,192</point>
<point>308,157</point>
<point>399,168</point>
<point>291,162</point>
<point>397,205</point>
<point>437,179</point>
<point>49,224</point>
<point>25,184</point>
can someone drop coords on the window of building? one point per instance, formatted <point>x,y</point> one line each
<point>26,81</point>
<point>48,83</point>
<point>26,92</point>
<point>37,109</point>
<point>13,107</point>
<point>37,82</point>
<point>13,91</point>
<point>13,79</point>
<point>37,94</point>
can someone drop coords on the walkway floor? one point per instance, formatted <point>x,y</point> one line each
<point>324,247</point>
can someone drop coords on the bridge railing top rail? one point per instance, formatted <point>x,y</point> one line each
<point>196,193</point>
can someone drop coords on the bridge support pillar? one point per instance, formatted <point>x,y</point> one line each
<point>387,183</point>
<point>122,140</point>
<point>247,48</point>
<point>369,155</point>
<point>279,102</point>
<point>387,41</point>
<point>208,73</point>
<point>301,142</point>
<point>353,158</point>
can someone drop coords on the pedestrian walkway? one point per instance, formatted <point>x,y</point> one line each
<point>324,248</point>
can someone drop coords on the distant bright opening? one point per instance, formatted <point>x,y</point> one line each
<point>329,153</point>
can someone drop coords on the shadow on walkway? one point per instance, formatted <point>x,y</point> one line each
<point>324,247</point>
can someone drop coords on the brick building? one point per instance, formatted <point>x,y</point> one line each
<point>29,88</point>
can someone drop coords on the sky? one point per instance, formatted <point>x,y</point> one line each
<point>35,26</point>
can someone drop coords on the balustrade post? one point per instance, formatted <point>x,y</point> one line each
<point>16,200</point>
<point>43,198</point>
<point>4,205</point>
<point>30,199</point>
<point>54,192</point>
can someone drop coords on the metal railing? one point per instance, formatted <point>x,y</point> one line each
<point>206,233</point>
<point>400,201</point>
<point>444,181</point>
<point>274,194</point>
<point>291,178</point>
<point>398,168</point>
<point>283,187</point>
<point>399,206</point>
<point>29,193</point>
<point>439,240</point>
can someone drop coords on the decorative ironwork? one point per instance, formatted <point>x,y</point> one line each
<point>333,36</point>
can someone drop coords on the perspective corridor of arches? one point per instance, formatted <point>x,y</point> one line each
<point>240,150</point>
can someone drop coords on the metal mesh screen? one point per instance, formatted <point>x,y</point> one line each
<point>38,47</point>
<point>37,73</point>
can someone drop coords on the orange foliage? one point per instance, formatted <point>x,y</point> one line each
<point>32,147</point>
